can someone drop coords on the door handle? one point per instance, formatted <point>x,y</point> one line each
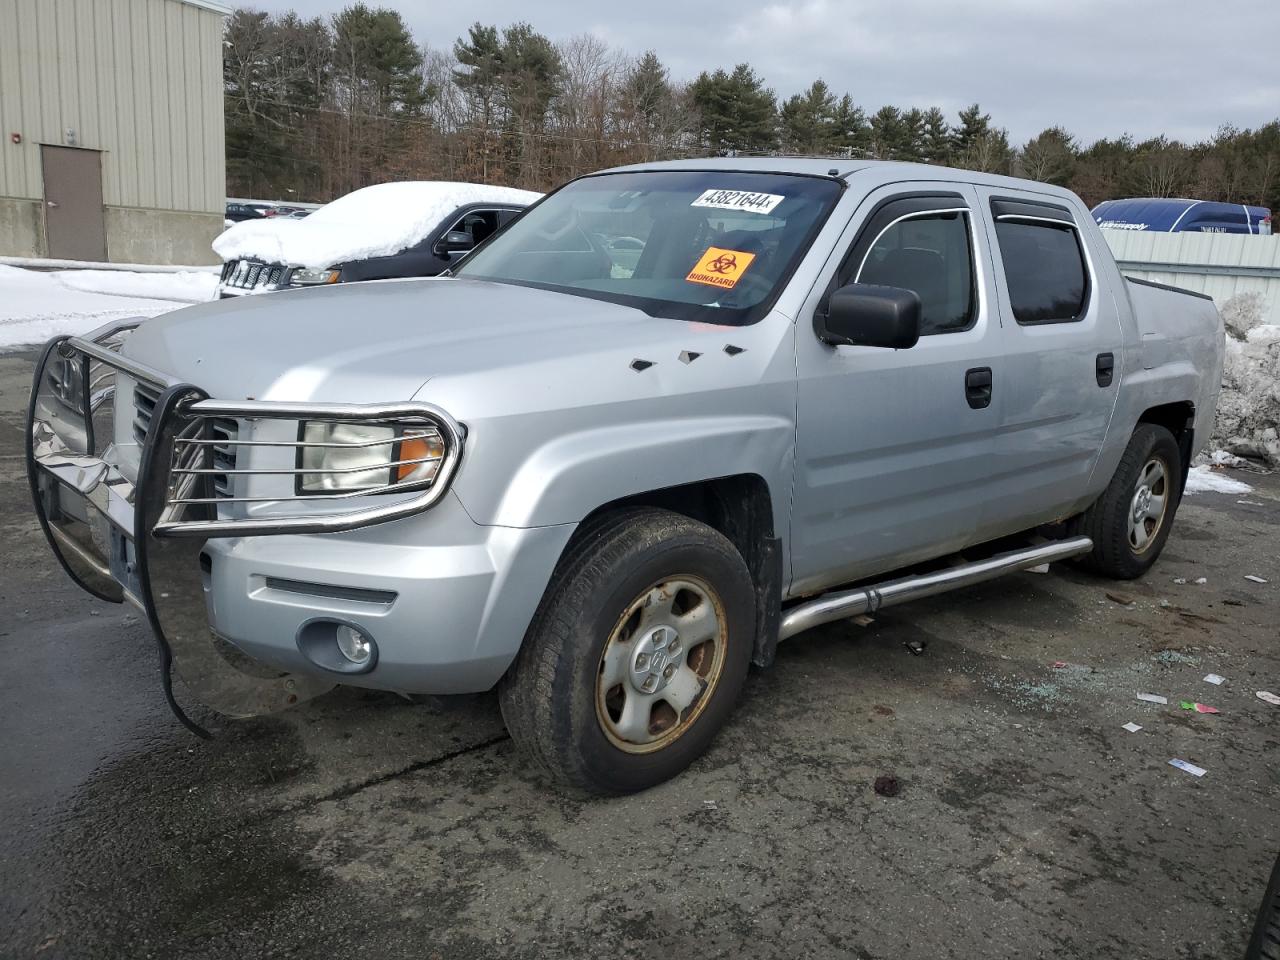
<point>977,387</point>
<point>1105,369</point>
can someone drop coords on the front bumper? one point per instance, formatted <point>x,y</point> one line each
<point>229,593</point>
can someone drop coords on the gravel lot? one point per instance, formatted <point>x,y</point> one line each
<point>1029,824</point>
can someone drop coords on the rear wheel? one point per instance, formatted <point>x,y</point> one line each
<point>1130,522</point>
<point>636,655</point>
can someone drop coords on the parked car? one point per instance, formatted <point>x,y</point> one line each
<point>817,394</point>
<point>414,229</point>
<point>238,212</point>
<point>1165,215</point>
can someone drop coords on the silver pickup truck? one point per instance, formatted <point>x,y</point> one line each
<point>675,414</point>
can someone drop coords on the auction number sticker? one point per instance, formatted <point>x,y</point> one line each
<point>739,200</point>
<point>720,268</point>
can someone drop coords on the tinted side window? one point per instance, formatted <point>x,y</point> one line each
<point>1044,269</point>
<point>931,255</point>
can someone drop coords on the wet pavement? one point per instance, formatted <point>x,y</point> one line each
<point>1029,823</point>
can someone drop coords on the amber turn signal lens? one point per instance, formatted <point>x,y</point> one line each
<point>417,448</point>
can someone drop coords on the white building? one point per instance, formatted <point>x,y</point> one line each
<point>111,119</point>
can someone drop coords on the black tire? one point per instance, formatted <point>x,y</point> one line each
<point>1108,522</point>
<point>1265,943</point>
<point>552,699</point>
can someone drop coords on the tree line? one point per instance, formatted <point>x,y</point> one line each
<point>317,107</point>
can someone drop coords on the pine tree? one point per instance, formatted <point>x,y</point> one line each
<point>737,113</point>
<point>808,121</point>
<point>913,134</point>
<point>887,134</point>
<point>973,125</point>
<point>852,134</point>
<point>937,137</point>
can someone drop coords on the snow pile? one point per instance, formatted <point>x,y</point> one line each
<point>1249,408</point>
<point>374,221</point>
<point>185,287</point>
<point>36,306</point>
<point>1205,479</point>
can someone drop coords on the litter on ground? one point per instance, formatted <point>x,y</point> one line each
<point>1197,707</point>
<point>1251,503</point>
<point>915,646</point>
<point>1152,698</point>
<point>1269,697</point>
<point>1200,581</point>
<point>1191,768</point>
<point>1214,679</point>
<point>1039,568</point>
<point>1252,578</point>
<point>1131,727</point>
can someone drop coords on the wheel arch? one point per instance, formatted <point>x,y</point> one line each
<point>1179,418</point>
<point>740,506</point>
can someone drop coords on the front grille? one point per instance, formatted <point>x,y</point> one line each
<point>144,404</point>
<point>224,454</point>
<point>251,275</point>
<point>225,430</point>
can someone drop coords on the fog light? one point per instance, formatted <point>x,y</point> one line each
<point>354,645</point>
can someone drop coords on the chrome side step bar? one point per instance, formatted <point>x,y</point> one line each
<point>850,603</point>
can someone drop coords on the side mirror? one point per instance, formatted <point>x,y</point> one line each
<point>863,315</point>
<point>455,241</point>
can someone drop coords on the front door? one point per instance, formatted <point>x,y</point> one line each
<point>893,447</point>
<point>73,217</point>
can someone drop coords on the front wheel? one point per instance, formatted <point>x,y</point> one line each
<point>1130,522</point>
<point>636,654</point>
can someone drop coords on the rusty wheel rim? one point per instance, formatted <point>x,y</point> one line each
<point>661,664</point>
<point>1149,505</point>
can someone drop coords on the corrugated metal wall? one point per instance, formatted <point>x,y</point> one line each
<point>1219,264</point>
<point>140,80</point>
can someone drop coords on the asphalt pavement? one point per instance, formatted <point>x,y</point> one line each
<point>1027,822</point>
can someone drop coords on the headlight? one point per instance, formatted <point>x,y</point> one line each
<point>314,278</point>
<point>340,457</point>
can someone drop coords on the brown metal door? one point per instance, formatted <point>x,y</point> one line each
<point>73,218</point>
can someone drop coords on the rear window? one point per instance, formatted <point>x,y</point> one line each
<point>1044,269</point>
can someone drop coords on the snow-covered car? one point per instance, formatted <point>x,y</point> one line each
<point>409,229</point>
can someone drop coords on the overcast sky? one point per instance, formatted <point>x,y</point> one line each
<point>1098,67</point>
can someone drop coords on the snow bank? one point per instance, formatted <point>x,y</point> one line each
<point>36,306</point>
<point>185,287</point>
<point>45,263</point>
<point>1249,408</point>
<point>1205,479</point>
<point>375,221</point>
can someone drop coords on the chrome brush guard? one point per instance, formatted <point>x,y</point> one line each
<point>143,540</point>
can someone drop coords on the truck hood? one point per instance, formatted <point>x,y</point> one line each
<point>382,341</point>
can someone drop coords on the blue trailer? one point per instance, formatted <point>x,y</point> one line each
<point>1167,215</point>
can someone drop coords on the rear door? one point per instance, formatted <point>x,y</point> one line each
<point>893,447</point>
<point>1060,362</point>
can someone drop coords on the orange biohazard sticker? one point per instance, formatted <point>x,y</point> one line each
<point>720,268</point>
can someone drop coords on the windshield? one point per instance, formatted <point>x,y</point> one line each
<point>707,246</point>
